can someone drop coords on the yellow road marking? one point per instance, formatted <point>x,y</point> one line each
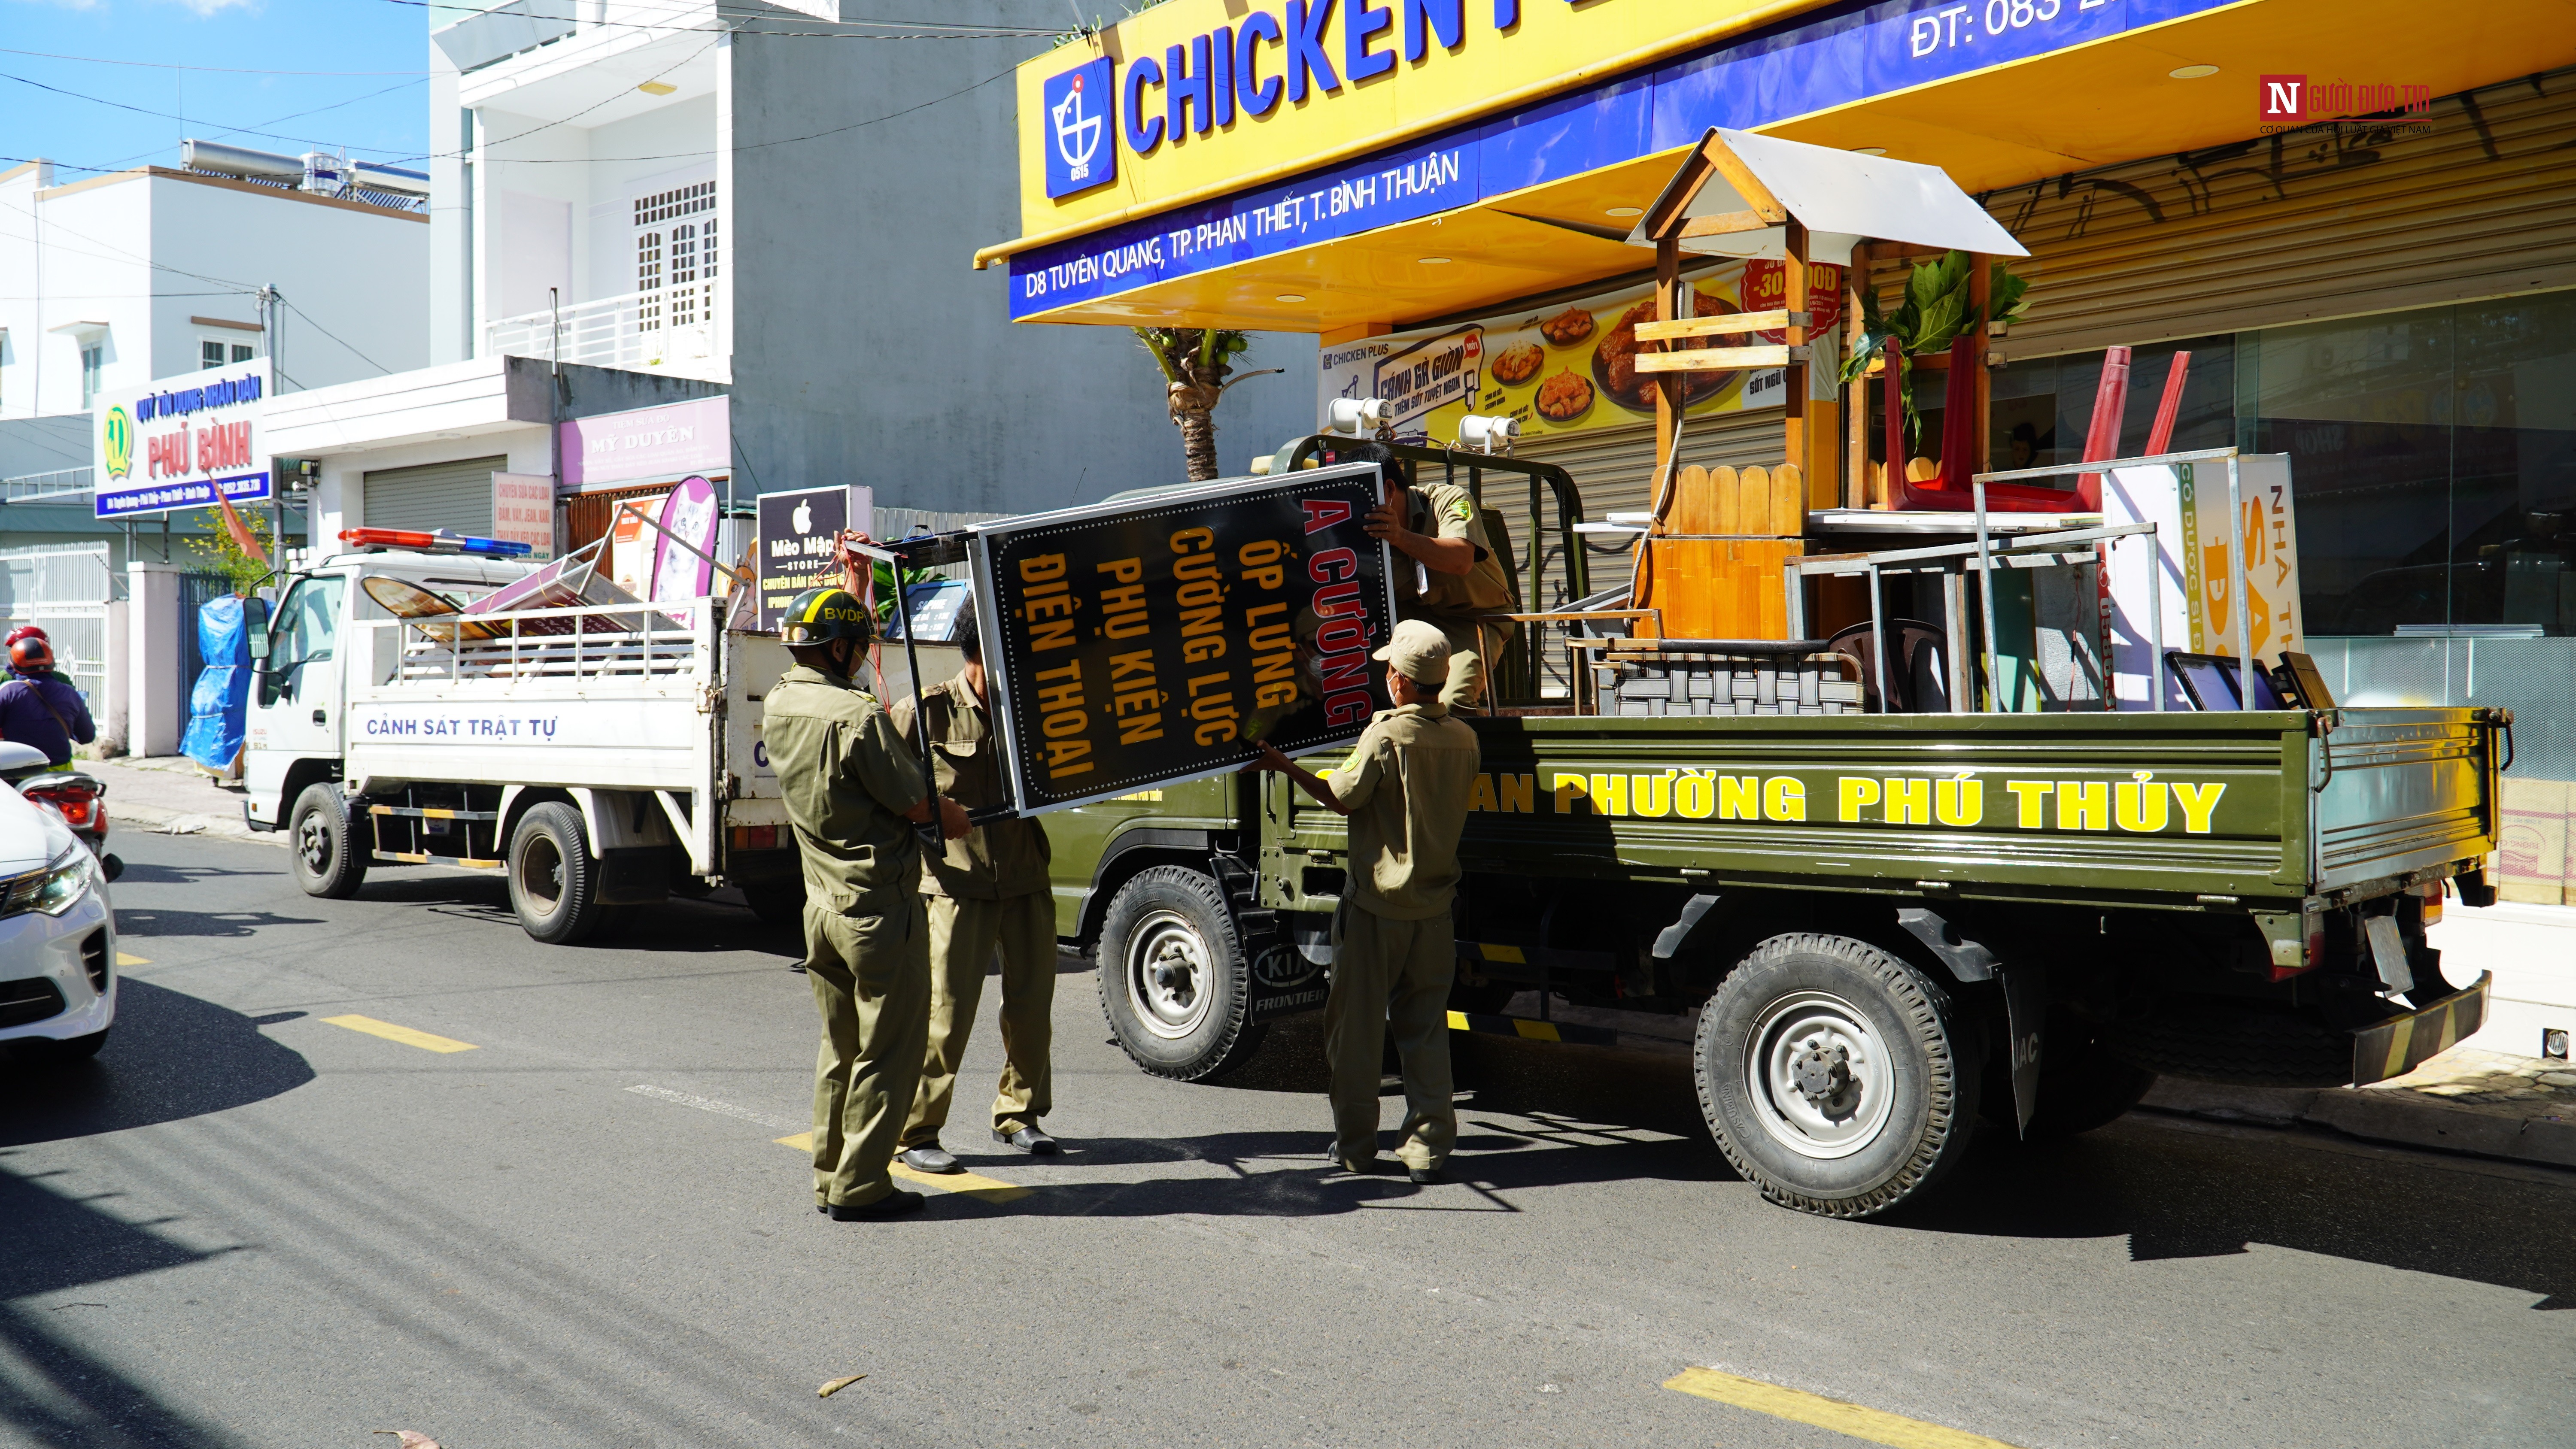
<point>127,959</point>
<point>403,1034</point>
<point>1536,1030</point>
<point>963,1184</point>
<point>1873,1425</point>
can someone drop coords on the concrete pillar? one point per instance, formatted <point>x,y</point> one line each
<point>156,698</point>
<point>115,691</point>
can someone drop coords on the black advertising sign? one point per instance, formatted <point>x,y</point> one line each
<point>796,531</point>
<point>1150,642</point>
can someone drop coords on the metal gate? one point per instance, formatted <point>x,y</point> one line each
<point>63,589</point>
<point>195,592</point>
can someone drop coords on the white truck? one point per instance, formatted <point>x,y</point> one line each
<point>600,756</point>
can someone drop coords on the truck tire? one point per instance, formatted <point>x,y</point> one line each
<point>1833,1076</point>
<point>554,879</point>
<point>1172,977</point>
<point>328,862</point>
<point>777,903</point>
<point>2081,1085</point>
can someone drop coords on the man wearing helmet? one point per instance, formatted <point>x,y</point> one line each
<point>853,792</point>
<point>37,705</point>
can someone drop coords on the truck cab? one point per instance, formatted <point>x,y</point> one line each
<point>302,665</point>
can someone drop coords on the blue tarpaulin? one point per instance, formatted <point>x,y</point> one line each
<point>222,696</point>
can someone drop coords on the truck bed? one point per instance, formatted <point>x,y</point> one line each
<point>2264,810</point>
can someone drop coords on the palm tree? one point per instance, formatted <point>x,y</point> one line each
<point>1197,364</point>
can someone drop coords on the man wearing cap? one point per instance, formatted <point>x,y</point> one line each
<point>1460,581</point>
<point>1404,790</point>
<point>987,890</point>
<point>850,788</point>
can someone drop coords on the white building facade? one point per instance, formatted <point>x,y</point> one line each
<point>121,279</point>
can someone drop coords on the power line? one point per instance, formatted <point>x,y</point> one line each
<point>914,29</point>
<point>207,69</point>
<point>599,160</point>
<point>174,116</point>
<point>298,115</point>
<point>327,332</point>
<point>693,155</point>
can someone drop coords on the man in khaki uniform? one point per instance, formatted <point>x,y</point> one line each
<point>1436,525</point>
<point>850,787</point>
<point>987,890</point>
<point>1404,790</point>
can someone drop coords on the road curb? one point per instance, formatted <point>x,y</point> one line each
<point>2380,1115</point>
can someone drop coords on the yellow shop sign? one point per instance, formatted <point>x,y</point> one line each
<point>1195,97</point>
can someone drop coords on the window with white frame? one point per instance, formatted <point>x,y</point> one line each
<point>212,352</point>
<point>676,257</point>
<point>93,363</point>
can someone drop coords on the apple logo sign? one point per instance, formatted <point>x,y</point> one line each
<point>804,517</point>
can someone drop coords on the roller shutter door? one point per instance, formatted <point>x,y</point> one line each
<point>2476,198</point>
<point>453,496</point>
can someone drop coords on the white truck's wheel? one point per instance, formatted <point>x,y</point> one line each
<point>1834,1076</point>
<point>1172,977</point>
<point>554,879</point>
<point>328,860</point>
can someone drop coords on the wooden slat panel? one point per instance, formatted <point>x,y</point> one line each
<point>1771,321</point>
<point>1719,359</point>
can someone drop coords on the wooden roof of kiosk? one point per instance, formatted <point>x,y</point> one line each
<point>1742,195</point>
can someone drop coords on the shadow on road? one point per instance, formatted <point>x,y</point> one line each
<point>131,922</point>
<point>139,873</point>
<point>52,1390</point>
<point>170,1056</point>
<point>2175,1192</point>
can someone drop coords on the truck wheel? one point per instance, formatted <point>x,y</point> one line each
<point>777,903</point>
<point>327,861</point>
<point>2081,1085</point>
<point>1172,977</point>
<point>1832,1076</point>
<point>554,879</point>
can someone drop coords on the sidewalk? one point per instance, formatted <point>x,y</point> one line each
<point>2465,1100</point>
<point>169,795</point>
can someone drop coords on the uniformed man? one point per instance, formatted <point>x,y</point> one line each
<point>1405,791</point>
<point>987,890</point>
<point>1436,526</point>
<point>851,787</point>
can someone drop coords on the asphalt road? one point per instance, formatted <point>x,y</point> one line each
<point>245,1225</point>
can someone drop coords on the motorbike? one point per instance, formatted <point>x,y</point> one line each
<point>78,797</point>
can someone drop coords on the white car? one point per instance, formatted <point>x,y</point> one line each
<point>57,934</point>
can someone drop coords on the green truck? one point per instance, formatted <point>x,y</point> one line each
<point>1888,925</point>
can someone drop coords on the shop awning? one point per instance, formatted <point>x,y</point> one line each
<point>2134,79</point>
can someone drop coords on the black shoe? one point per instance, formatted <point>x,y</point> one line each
<point>1425,1176</point>
<point>1029,1140</point>
<point>893,1204</point>
<point>930,1157</point>
<point>1355,1168</point>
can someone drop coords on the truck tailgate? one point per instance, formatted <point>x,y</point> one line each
<point>2403,789</point>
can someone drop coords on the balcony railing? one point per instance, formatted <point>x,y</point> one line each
<point>59,483</point>
<point>671,330</point>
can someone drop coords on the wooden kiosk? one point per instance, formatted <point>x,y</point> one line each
<point>1711,561</point>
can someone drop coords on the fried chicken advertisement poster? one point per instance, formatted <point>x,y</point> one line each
<point>1571,366</point>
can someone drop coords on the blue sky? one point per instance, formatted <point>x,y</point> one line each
<point>221,64</point>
